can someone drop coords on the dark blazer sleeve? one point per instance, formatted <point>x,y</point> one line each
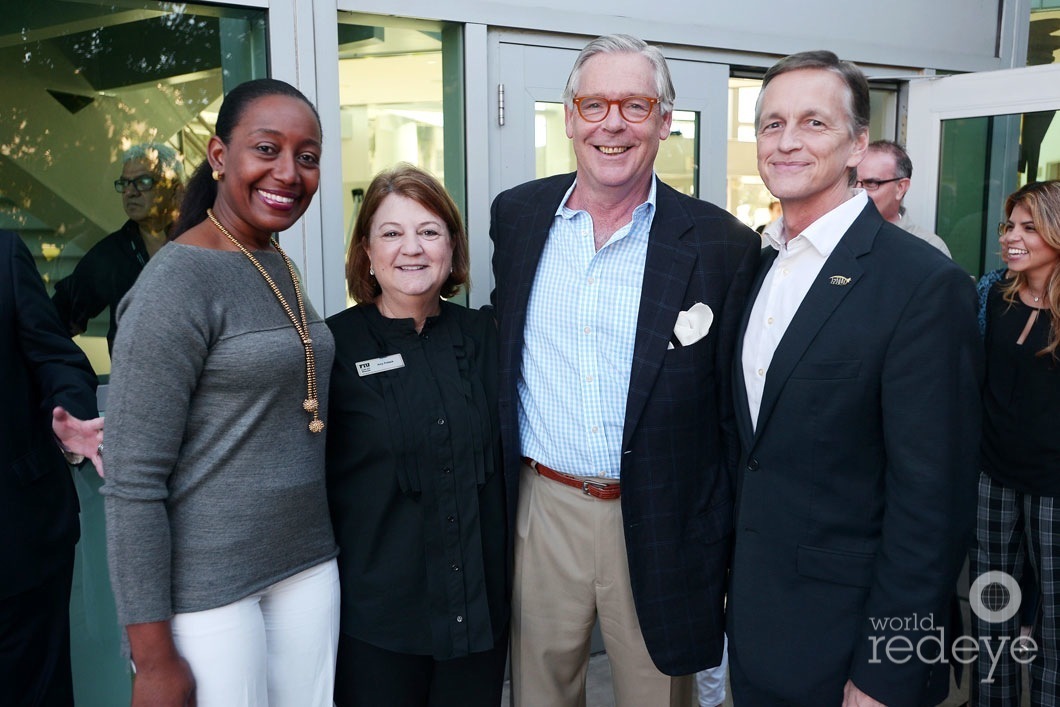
<point>730,321</point>
<point>77,296</point>
<point>59,368</point>
<point>40,367</point>
<point>679,442</point>
<point>930,394</point>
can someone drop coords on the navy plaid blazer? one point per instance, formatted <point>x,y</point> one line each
<point>679,442</point>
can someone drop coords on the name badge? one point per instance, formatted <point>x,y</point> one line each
<point>378,365</point>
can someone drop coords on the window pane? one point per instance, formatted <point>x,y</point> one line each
<point>1043,42</point>
<point>747,198</point>
<point>401,100</point>
<point>975,178</point>
<point>84,82</point>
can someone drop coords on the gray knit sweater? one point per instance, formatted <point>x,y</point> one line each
<point>215,486</point>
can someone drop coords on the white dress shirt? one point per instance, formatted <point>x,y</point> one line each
<point>797,265</point>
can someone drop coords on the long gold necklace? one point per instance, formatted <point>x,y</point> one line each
<point>311,404</point>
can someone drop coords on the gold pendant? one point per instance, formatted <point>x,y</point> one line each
<point>310,405</point>
<point>316,426</point>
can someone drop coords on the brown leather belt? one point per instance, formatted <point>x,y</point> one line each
<point>590,487</point>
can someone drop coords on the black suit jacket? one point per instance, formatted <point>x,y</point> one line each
<point>40,367</point>
<point>679,437</point>
<point>857,491</point>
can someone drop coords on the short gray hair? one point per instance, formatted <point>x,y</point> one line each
<point>167,161</point>
<point>624,44</point>
<point>903,166</point>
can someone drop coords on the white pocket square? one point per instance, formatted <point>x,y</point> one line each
<point>692,325</point>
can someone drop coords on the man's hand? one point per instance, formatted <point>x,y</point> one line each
<point>853,697</point>
<point>82,437</point>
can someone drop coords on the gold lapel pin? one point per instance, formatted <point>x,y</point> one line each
<point>839,280</point>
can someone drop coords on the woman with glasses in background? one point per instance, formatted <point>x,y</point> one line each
<point>151,187</point>
<point>1019,518</point>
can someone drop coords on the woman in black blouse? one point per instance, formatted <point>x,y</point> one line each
<point>1019,489</point>
<point>414,475</point>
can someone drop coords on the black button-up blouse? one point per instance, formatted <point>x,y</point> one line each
<point>1021,400</point>
<point>415,482</point>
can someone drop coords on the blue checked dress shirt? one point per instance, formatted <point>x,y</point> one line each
<point>581,324</point>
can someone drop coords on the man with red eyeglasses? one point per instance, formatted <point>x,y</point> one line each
<point>617,299</point>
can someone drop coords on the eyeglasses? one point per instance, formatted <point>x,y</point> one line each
<point>874,184</point>
<point>634,109</point>
<point>142,183</point>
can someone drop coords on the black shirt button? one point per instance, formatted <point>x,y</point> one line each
<point>752,464</point>
<point>451,519</point>
<point>456,568</point>
<point>441,420</point>
<point>446,470</point>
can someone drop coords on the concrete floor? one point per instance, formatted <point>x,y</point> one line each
<point>599,694</point>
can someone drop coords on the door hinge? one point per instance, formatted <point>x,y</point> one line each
<point>500,104</point>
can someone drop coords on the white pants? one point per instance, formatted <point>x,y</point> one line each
<point>275,648</point>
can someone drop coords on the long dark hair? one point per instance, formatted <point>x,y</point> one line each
<point>1042,201</point>
<point>201,190</point>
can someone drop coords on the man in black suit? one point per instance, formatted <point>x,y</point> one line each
<point>618,300</point>
<point>42,375</point>
<point>857,382</point>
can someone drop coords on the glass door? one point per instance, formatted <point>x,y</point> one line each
<point>975,139</point>
<point>90,88</point>
<point>528,138</point>
<point>401,96</point>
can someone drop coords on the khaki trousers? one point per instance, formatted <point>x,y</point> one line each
<point>570,568</point>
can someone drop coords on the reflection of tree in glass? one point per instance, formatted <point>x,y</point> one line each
<point>1042,41</point>
<point>83,82</point>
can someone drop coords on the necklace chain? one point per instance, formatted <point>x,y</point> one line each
<point>311,404</point>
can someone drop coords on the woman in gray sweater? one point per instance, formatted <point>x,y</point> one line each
<point>221,553</point>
